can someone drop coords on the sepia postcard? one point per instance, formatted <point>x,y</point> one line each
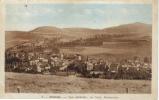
<point>78,49</point>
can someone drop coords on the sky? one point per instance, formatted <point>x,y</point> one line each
<point>97,16</point>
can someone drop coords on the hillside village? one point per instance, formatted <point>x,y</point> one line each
<point>40,57</point>
<point>39,51</point>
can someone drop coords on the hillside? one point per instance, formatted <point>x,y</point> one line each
<point>131,31</point>
<point>134,28</point>
<point>36,83</point>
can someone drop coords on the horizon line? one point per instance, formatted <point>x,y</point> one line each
<point>77,27</point>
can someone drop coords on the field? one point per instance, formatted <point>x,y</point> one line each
<point>93,50</point>
<point>116,49</point>
<point>36,83</point>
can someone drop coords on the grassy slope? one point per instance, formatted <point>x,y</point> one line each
<point>59,84</point>
<point>137,29</point>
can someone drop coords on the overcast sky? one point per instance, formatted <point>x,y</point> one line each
<point>19,17</point>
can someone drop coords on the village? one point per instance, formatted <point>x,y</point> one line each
<point>37,57</point>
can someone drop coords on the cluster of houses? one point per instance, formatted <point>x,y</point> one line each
<point>39,58</point>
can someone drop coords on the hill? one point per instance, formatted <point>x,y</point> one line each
<point>133,28</point>
<point>131,31</point>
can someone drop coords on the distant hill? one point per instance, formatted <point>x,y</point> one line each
<point>132,31</point>
<point>46,30</point>
<point>134,28</point>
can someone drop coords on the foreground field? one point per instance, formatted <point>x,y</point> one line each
<point>36,83</point>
